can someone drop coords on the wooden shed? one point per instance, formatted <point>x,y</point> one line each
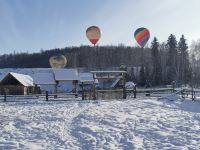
<point>16,84</point>
<point>108,77</point>
<point>66,79</point>
<point>46,82</point>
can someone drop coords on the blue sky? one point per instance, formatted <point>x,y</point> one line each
<point>30,25</point>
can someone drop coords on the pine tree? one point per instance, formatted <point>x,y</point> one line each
<point>147,77</point>
<point>184,66</point>
<point>163,60</point>
<point>132,75</point>
<point>142,79</point>
<point>172,60</point>
<point>157,69</point>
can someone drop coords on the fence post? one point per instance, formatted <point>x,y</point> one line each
<point>192,93</point>
<point>124,93</point>
<point>56,89</point>
<point>47,96</point>
<point>124,88</point>
<point>76,94</point>
<point>5,97</point>
<point>148,93</point>
<point>94,88</point>
<point>173,86</point>
<point>82,91</point>
<point>182,93</point>
<point>135,91</point>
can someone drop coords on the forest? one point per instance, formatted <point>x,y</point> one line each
<point>159,63</point>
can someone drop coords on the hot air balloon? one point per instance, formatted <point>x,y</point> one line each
<point>93,34</point>
<point>58,61</point>
<point>142,36</point>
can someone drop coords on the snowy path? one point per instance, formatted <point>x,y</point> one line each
<point>131,124</point>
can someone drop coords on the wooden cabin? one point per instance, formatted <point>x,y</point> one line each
<point>16,84</point>
<point>111,78</point>
<point>86,81</point>
<point>46,82</point>
<point>66,79</point>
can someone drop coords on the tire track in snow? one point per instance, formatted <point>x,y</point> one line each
<point>84,135</point>
<point>69,115</point>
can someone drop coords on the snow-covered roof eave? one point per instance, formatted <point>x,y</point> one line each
<point>66,74</point>
<point>86,81</point>
<point>107,71</point>
<point>68,79</point>
<point>44,79</point>
<point>25,80</point>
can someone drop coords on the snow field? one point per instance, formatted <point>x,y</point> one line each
<point>142,123</point>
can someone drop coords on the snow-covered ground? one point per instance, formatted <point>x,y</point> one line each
<point>142,123</point>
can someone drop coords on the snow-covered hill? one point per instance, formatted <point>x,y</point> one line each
<point>131,124</point>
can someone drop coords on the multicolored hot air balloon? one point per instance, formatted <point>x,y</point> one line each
<point>58,61</point>
<point>93,34</point>
<point>142,36</point>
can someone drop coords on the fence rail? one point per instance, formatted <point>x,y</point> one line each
<point>102,93</point>
<point>45,96</point>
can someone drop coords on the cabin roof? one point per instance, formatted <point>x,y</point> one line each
<point>44,78</point>
<point>86,77</point>
<point>66,74</point>
<point>108,71</point>
<point>23,79</point>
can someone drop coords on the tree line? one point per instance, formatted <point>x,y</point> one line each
<point>159,64</point>
<point>170,63</point>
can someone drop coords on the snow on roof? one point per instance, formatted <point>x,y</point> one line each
<point>107,71</point>
<point>86,77</point>
<point>66,74</point>
<point>130,85</point>
<point>25,80</point>
<point>44,78</point>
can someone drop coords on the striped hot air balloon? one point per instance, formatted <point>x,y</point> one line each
<point>93,34</point>
<point>142,36</point>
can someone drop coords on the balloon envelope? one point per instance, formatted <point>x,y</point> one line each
<point>93,34</point>
<point>142,36</point>
<point>58,61</point>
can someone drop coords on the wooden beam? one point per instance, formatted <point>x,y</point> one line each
<point>135,91</point>
<point>124,88</point>
<point>47,96</point>
<point>83,96</point>
<point>94,88</point>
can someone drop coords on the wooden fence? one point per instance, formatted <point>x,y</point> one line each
<point>106,94</point>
